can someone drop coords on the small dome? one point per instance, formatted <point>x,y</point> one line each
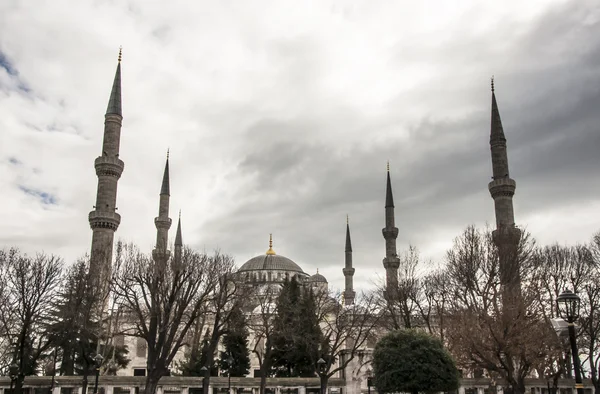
<point>317,278</point>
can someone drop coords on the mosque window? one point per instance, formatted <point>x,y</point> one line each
<point>140,349</point>
<point>120,340</point>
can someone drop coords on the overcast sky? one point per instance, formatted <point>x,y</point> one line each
<point>281,115</point>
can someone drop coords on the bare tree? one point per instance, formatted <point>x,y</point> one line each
<point>477,331</point>
<point>261,324</point>
<point>401,310</point>
<point>346,330</point>
<point>162,301</point>
<point>31,287</point>
<point>590,314</point>
<point>227,296</point>
<point>421,296</point>
<point>555,269</point>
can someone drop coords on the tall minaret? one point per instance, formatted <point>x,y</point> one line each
<point>104,221</point>
<point>163,222</point>
<point>391,262</point>
<point>502,188</point>
<point>348,270</point>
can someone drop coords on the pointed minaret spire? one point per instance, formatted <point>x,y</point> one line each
<point>178,241</point>
<point>114,103</point>
<point>389,197</point>
<point>104,220</point>
<point>506,236</point>
<point>348,269</point>
<point>497,141</point>
<point>165,189</point>
<point>391,262</point>
<point>178,238</point>
<point>163,222</point>
<point>502,187</point>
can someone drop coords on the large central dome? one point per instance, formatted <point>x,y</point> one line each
<point>270,261</point>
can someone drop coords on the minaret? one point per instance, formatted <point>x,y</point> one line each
<point>348,270</point>
<point>391,262</point>
<point>502,188</point>
<point>163,222</point>
<point>104,221</point>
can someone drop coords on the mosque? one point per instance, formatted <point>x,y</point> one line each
<point>269,268</point>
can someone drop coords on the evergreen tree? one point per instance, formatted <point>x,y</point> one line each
<point>192,365</point>
<point>413,362</point>
<point>75,329</point>
<point>310,337</point>
<point>236,345</point>
<point>296,332</point>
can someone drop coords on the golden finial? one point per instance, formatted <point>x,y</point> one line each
<point>347,219</point>
<point>270,251</point>
<point>180,214</point>
<point>120,53</point>
<point>317,271</point>
<point>168,149</point>
<point>388,166</point>
<point>492,83</point>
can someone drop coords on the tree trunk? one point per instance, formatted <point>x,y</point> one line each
<point>517,387</point>
<point>84,385</point>
<point>152,382</point>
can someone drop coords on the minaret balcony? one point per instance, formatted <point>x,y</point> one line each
<point>506,236</point>
<point>162,222</point>
<point>348,271</point>
<point>502,187</point>
<point>106,165</point>
<point>390,233</point>
<point>103,219</point>
<point>391,262</point>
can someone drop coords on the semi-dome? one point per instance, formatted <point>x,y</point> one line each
<point>270,261</point>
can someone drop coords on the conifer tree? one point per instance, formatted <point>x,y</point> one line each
<point>236,345</point>
<point>296,332</point>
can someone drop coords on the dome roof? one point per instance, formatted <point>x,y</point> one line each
<point>317,278</point>
<point>270,262</point>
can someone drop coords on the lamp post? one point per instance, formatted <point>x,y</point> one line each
<point>204,370</point>
<point>53,371</point>
<point>98,363</point>
<point>229,363</point>
<point>369,380</point>
<point>13,372</point>
<point>321,364</point>
<point>568,304</point>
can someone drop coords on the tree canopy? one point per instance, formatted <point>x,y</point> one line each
<point>414,362</point>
